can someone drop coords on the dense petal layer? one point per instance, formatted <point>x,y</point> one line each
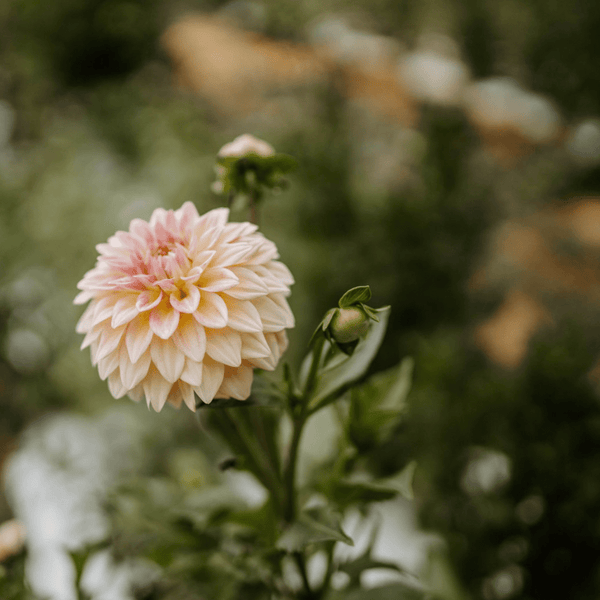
<point>183,305</point>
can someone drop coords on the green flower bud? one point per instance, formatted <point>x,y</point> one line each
<point>349,324</point>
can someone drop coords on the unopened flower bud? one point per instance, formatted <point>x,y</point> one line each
<point>349,324</point>
<point>246,144</point>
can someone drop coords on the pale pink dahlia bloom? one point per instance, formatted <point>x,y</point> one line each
<point>185,304</point>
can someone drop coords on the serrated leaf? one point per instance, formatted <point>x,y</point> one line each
<point>361,293</point>
<point>314,525</point>
<point>343,370</point>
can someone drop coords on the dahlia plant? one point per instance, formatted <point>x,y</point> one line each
<point>191,309</point>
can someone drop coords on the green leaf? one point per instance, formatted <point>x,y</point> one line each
<point>403,481</point>
<point>343,371</point>
<point>314,525</point>
<point>322,326</point>
<point>348,492</point>
<point>371,312</point>
<point>362,293</point>
<point>394,591</point>
<point>379,404</point>
<point>284,163</point>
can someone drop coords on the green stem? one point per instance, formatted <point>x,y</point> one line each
<point>242,441</point>
<point>299,420</point>
<point>299,558</point>
<point>289,477</point>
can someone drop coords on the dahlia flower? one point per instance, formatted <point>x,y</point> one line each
<point>183,305</point>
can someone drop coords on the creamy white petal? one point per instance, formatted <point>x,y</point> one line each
<point>167,359</point>
<point>224,345</point>
<point>163,320</point>
<point>242,315</point>
<point>124,310</point>
<point>250,285</point>
<point>116,388</point>
<point>134,373</point>
<point>192,372</point>
<point>212,311</point>
<point>190,338</point>
<point>187,393</point>
<point>138,336</point>
<point>109,340</point>
<point>212,377</point>
<point>272,316</point>
<point>108,364</point>
<point>156,389</point>
<point>237,383</point>
<point>86,321</point>
<point>137,393</point>
<point>217,279</point>
<point>254,345</point>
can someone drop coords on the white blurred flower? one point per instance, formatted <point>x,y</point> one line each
<point>487,471</point>
<point>246,144</point>
<point>584,142</point>
<point>500,102</point>
<point>433,77</point>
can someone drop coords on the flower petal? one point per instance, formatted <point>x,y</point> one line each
<point>242,315</point>
<point>108,364</point>
<point>164,320</point>
<point>137,393</point>
<point>188,396</point>
<point>124,310</point>
<point>138,336</point>
<point>231,254</point>
<point>273,317</point>
<point>212,377</point>
<point>116,388</point>
<point>103,309</point>
<point>149,299</point>
<point>86,321</point>
<point>254,345</point>
<point>109,341</point>
<point>190,338</point>
<point>167,359</point>
<point>214,218</point>
<point>225,345</point>
<point>192,372</point>
<point>134,373</point>
<point>280,271</point>
<point>217,279</point>
<point>186,300</point>
<point>212,311</point>
<point>156,389</point>
<point>250,285</point>
<point>237,383</point>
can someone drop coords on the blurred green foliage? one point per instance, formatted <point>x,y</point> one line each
<point>101,136</point>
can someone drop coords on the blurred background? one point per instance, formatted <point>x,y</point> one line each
<point>449,157</point>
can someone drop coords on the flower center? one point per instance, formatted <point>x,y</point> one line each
<point>162,251</point>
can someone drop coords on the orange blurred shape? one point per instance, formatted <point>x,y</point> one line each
<point>236,70</point>
<point>12,538</point>
<point>582,218</point>
<point>505,143</point>
<point>505,336</point>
